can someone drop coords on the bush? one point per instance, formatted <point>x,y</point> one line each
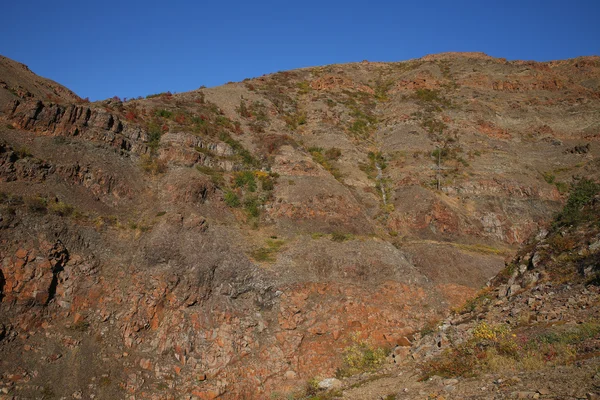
<point>267,183</point>
<point>152,164</point>
<point>154,134</point>
<point>62,209</point>
<point>231,199</point>
<point>581,195</point>
<point>36,204</point>
<point>340,237</point>
<point>361,356</point>
<point>164,113</point>
<point>267,253</point>
<point>326,158</point>
<point>252,207</point>
<point>245,179</point>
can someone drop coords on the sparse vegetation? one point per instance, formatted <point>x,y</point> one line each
<point>327,158</point>
<point>496,348</point>
<point>152,164</point>
<point>382,87</point>
<point>245,179</point>
<point>268,252</point>
<point>341,237</point>
<point>582,194</point>
<point>293,121</point>
<point>361,356</point>
<point>36,204</point>
<point>231,199</point>
<point>244,154</point>
<point>216,175</point>
<point>432,97</point>
<point>60,208</point>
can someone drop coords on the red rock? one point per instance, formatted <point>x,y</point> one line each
<point>206,395</point>
<point>21,254</point>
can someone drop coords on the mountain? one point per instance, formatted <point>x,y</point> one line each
<point>233,242</point>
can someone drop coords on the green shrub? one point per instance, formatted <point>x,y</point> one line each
<point>231,199</point>
<point>154,134</point>
<point>252,206</point>
<point>268,252</point>
<point>562,187</point>
<point>245,179</point>
<point>164,113</point>
<point>581,195</point>
<point>326,158</point>
<point>382,88</point>
<point>549,177</point>
<point>363,123</point>
<point>294,120</point>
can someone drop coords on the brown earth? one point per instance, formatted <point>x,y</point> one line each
<point>231,242</point>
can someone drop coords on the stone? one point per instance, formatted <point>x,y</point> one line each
<point>330,383</point>
<point>527,395</point>
<point>290,375</point>
<point>535,260</point>
<point>502,289</point>
<point>145,363</point>
<point>522,268</point>
<point>21,254</point>
<point>512,290</point>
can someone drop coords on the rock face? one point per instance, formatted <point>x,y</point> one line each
<point>232,242</point>
<point>532,332</point>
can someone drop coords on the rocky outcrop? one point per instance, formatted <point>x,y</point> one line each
<point>77,120</point>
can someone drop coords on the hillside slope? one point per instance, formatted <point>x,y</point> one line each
<point>235,240</point>
<point>532,332</point>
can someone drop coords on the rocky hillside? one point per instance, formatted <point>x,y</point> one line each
<point>532,332</point>
<point>234,241</point>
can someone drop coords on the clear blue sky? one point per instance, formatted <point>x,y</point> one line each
<point>130,48</point>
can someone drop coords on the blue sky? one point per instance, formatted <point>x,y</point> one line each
<point>101,49</point>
